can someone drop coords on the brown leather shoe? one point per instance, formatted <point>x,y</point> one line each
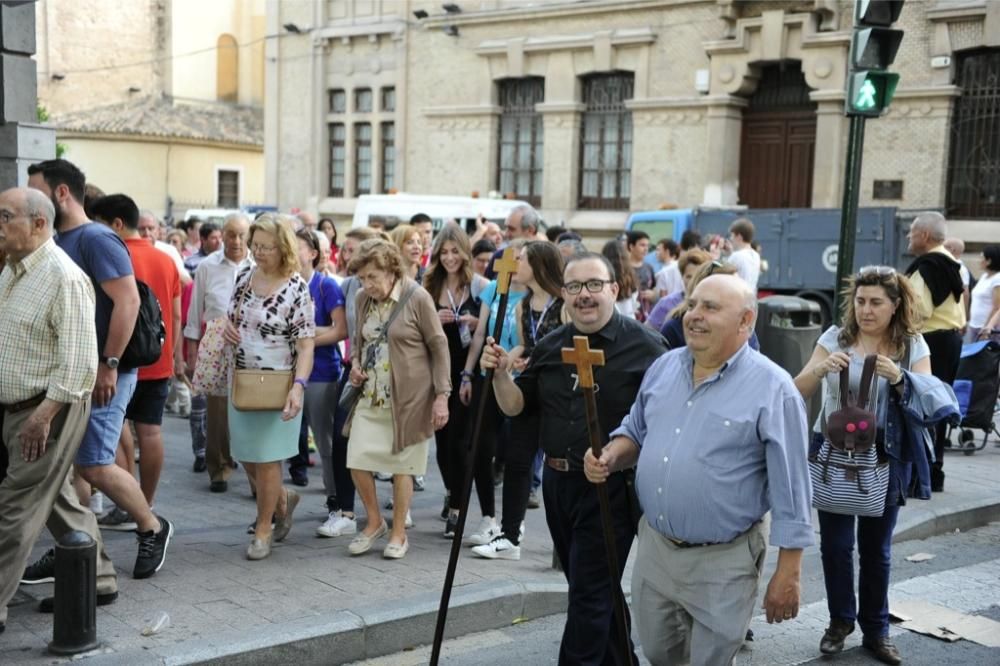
<point>833,640</point>
<point>883,649</point>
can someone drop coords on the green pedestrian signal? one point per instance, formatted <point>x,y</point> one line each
<point>869,93</point>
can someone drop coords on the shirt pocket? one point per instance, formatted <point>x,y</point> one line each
<point>722,440</point>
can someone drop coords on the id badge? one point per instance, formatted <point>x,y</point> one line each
<point>464,334</point>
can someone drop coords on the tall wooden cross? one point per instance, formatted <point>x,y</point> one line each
<point>505,267</point>
<point>585,359</point>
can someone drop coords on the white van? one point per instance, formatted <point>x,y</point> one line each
<point>396,209</point>
<point>216,215</point>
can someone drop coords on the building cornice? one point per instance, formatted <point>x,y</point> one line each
<point>147,138</point>
<point>559,10</point>
<point>965,12</point>
<point>336,30</point>
<point>623,37</point>
<point>454,111</point>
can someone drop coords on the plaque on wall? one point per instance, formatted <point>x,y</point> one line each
<point>887,189</point>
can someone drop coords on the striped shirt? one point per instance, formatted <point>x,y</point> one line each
<point>49,342</point>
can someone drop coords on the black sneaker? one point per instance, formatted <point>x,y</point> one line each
<point>42,571</point>
<point>446,509</point>
<point>199,465</point>
<point>152,549</point>
<point>451,526</point>
<point>117,520</point>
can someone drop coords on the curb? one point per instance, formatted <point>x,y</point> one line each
<point>362,633</point>
<point>382,629</point>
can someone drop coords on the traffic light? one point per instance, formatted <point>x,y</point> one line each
<point>873,48</point>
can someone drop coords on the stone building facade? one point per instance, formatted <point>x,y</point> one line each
<point>595,108</point>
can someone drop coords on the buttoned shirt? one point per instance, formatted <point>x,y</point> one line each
<point>213,290</point>
<point>551,389</point>
<point>714,458</point>
<point>49,340</point>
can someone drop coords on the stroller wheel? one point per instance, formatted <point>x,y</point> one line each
<point>967,439</point>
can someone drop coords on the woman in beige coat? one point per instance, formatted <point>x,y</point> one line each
<point>404,395</point>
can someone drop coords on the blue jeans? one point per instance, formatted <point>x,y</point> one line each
<point>874,537</point>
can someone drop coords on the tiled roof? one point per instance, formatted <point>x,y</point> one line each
<point>162,117</point>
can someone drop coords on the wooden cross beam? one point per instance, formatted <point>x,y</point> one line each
<point>504,267</point>
<point>584,358</point>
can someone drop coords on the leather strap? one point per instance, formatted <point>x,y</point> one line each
<point>867,376</point>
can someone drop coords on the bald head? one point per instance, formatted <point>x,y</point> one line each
<point>27,217</point>
<point>956,246</point>
<point>720,318</point>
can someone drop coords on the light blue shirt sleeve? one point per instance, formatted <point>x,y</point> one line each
<point>784,433</point>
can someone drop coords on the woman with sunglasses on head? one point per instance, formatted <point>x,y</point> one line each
<point>879,318</point>
<point>541,311</point>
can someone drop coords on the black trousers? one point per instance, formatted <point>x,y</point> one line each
<point>522,445</point>
<point>573,514</point>
<point>946,350</point>
<point>451,444</point>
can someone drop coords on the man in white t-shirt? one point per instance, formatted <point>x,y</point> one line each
<point>744,258</point>
<point>668,278</point>
<point>149,228</point>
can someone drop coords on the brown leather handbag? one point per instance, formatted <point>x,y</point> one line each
<point>259,390</point>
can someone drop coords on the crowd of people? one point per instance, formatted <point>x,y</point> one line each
<point>373,346</point>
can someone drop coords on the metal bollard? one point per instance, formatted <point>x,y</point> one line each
<point>74,627</point>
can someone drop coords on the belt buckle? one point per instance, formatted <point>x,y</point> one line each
<point>559,464</point>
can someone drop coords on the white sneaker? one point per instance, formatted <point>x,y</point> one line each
<point>97,502</point>
<point>337,525</point>
<point>487,531</point>
<point>383,476</point>
<point>499,549</point>
<point>409,521</point>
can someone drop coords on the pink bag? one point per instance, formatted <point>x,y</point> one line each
<point>211,373</point>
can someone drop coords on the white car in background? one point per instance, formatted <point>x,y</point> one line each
<point>394,209</point>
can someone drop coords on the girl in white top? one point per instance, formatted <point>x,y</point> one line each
<point>984,310</point>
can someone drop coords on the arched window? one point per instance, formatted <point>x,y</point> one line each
<point>227,69</point>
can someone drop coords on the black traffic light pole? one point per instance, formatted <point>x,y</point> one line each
<point>849,207</point>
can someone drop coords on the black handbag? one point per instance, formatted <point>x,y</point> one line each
<point>351,394</point>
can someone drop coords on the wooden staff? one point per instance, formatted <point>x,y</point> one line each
<point>504,267</point>
<point>585,358</point>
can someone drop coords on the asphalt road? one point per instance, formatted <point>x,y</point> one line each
<point>537,642</point>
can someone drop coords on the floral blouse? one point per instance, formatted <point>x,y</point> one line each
<point>269,327</point>
<point>378,386</point>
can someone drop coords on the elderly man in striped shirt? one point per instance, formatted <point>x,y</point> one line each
<point>48,364</point>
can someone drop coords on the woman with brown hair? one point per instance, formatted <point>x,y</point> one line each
<point>880,319</point>
<point>399,360</point>
<point>271,327</point>
<point>411,248</point>
<point>628,288</point>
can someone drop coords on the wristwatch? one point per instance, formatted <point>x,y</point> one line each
<point>111,361</point>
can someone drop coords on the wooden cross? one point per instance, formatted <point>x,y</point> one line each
<point>584,358</point>
<point>504,267</point>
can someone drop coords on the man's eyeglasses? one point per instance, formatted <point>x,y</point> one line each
<point>593,286</point>
<point>715,265</point>
<point>880,271</point>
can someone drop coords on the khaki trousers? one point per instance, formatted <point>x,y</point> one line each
<point>217,458</point>
<point>693,605</point>
<point>39,494</point>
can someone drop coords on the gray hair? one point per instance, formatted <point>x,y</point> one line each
<point>236,217</point>
<point>36,204</point>
<point>577,246</point>
<point>145,212</point>
<point>934,224</point>
<point>529,216</point>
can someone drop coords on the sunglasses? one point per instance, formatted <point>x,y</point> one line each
<point>880,271</point>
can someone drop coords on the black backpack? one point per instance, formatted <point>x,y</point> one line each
<point>149,334</point>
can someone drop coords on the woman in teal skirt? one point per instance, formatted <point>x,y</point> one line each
<point>271,326</point>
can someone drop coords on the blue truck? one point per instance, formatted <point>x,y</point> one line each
<point>798,244</point>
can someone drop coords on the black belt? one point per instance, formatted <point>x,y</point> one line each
<point>687,544</point>
<point>14,408</point>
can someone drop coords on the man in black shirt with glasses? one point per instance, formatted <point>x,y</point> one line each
<point>550,388</point>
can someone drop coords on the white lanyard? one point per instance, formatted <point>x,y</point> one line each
<point>541,318</point>
<point>451,299</point>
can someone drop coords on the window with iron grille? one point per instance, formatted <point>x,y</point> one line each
<point>606,141</point>
<point>519,168</point>
<point>388,157</point>
<point>362,158</point>
<point>228,188</point>
<point>974,162</point>
<point>338,101</point>
<point>338,159</point>
<point>363,100</point>
<point>389,99</point>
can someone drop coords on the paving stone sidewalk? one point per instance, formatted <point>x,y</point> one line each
<point>212,594</point>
